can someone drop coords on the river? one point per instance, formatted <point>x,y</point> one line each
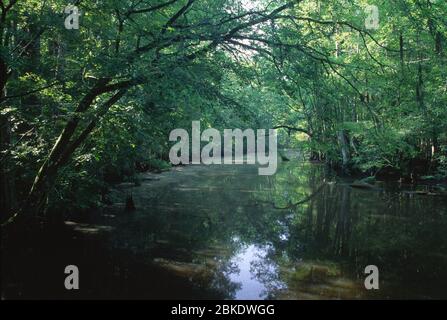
<point>224,232</point>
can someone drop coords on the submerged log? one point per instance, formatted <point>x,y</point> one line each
<point>421,193</point>
<point>363,185</point>
<point>183,269</point>
<point>424,193</point>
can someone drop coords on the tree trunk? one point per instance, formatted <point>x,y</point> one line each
<point>61,153</point>
<point>344,145</point>
<point>7,189</point>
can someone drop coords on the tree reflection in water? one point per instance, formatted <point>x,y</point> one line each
<point>226,232</point>
<point>317,249</point>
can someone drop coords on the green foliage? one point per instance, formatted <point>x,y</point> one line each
<point>311,65</point>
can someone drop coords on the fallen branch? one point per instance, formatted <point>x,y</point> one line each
<point>310,197</point>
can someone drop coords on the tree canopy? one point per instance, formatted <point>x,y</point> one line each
<point>359,84</point>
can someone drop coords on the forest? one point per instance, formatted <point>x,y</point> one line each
<point>91,89</point>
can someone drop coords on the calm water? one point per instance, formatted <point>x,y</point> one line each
<point>226,232</point>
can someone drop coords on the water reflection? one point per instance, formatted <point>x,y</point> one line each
<point>253,274</point>
<point>226,232</point>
